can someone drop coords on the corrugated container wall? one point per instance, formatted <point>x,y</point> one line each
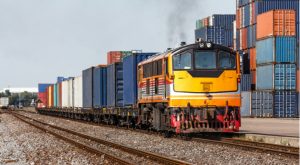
<point>55,95</point>
<point>285,104</point>
<point>100,87</point>
<point>71,92</point>
<point>114,56</point>
<point>211,34</point>
<point>262,103</point>
<point>246,107</point>
<point>130,76</point>
<point>65,94</point>
<point>78,92</point>
<point>276,50</point>
<point>276,23</point>
<point>87,87</point>
<point>115,85</point>
<point>278,76</point>
<point>245,82</point>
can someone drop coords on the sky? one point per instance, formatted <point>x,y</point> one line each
<point>43,39</point>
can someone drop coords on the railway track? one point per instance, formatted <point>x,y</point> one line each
<point>240,143</point>
<point>144,154</point>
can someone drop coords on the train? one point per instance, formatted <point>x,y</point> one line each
<point>190,89</point>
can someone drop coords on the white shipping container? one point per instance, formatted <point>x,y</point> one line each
<point>4,101</point>
<point>71,92</point>
<point>65,93</point>
<point>78,92</point>
<point>234,30</point>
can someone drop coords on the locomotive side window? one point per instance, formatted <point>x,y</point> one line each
<point>226,60</point>
<point>156,86</point>
<point>159,67</point>
<point>205,60</point>
<point>148,86</point>
<point>183,61</point>
<point>152,69</point>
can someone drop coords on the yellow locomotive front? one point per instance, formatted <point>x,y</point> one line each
<point>201,84</point>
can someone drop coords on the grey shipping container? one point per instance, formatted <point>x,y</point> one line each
<point>276,77</point>
<point>115,85</point>
<point>285,104</point>
<point>246,104</point>
<point>87,88</point>
<point>246,82</point>
<point>262,104</point>
<point>130,63</point>
<point>100,87</point>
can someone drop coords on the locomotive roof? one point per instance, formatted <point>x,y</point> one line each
<point>183,48</point>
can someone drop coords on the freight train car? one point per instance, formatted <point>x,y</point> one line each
<point>194,88</point>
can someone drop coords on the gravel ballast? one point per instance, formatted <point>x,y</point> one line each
<point>21,144</point>
<point>194,152</point>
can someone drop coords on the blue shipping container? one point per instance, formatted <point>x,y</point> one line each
<point>87,88</point>
<point>246,82</point>
<point>212,34</point>
<point>276,77</point>
<point>61,79</point>
<point>42,87</point>
<point>223,20</point>
<point>262,103</point>
<point>130,76</point>
<point>115,85</point>
<point>276,49</point>
<point>285,104</point>
<point>100,87</point>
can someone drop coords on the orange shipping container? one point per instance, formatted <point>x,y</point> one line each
<point>243,38</point>
<point>113,57</point>
<point>252,55</point>
<point>276,23</point>
<point>238,21</point>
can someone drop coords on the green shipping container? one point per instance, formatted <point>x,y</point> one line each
<point>55,94</point>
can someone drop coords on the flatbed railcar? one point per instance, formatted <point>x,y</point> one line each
<point>194,88</point>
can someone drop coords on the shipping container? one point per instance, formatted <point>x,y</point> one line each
<point>246,82</point>
<point>276,77</point>
<point>253,77</point>
<point>61,79</point>
<point>78,92</point>
<point>50,96</point>
<point>42,96</point>
<point>222,20</point>
<point>246,104</point>
<point>276,49</point>
<point>211,34</point>
<point>252,55</point>
<point>285,104</point>
<point>243,38</point>
<point>42,87</point>
<point>55,95</point>
<point>87,87</point>
<point>130,76</point>
<point>71,92</point>
<point>100,87</point>
<point>276,23</point>
<point>251,37</point>
<point>262,6</point>
<point>115,85</point>
<point>65,94</point>
<point>4,101</point>
<point>262,103</point>
<point>114,56</point>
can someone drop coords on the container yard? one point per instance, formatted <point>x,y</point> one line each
<point>229,96</point>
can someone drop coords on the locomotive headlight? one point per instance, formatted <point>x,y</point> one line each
<point>208,45</point>
<point>201,45</point>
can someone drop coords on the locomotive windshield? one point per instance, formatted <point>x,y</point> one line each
<point>183,61</point>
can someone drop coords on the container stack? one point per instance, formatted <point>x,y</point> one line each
<point>216,28</point>
<point>267,35</point>
<point>276,59</point>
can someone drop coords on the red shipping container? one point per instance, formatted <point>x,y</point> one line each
<point>43,98</point>
<point>252,54</point>
<point>276,23</point>
<point>206,21</point>
<point>113,57</point>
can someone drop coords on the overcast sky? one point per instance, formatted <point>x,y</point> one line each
<point>43,39</point>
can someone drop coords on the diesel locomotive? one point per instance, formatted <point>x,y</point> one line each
<point>190,89</point>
